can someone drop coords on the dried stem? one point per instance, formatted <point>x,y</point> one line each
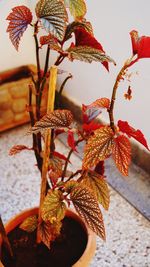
<point>5,238</point>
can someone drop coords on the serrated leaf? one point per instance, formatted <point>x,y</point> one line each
<point>88,54</point>
<point>17,149</point>
<point>53,17</point>
<point>84,38</point>
<point>53,208</point>
<point>29,224</point>
<point>53,120</point>
<point>131,132</point>
<point>77,8</point>
<point>19,19</point>
<point>98,147</point>
<point>121,152</point>
<point>98,185</point>
<point>48,232</point>
<point>87,207</point>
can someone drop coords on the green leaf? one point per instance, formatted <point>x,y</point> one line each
<point>77,8</point>
<point>53,120</point>
<point>53,17</point>
<point>48,232</point>
<point>29,224</point>
<point>87,54</point>
<point>98,185</point>
<point>98,147</point>
<point>53,208</point>
<point>87,207</point>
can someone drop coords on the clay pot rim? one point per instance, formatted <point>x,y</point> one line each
<point>91,237</point>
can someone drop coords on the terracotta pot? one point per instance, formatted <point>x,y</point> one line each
<point>91,243</point>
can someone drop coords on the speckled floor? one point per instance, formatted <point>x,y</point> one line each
<point>128,232</point>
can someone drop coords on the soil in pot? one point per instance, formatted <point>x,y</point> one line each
<point>64,252</point>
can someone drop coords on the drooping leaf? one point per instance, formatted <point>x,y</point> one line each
<point>87,207</point>
<point>53,120</point>
<point>53,17</point>
<point>87,54</point>
<point>121,152</point>
<point>98,185</point>
<point>71,27</point>
<point>48,232</point>
<point>53,208</point>
<point>17,149</point>
<point>131,132</point>
<point>29,224</point>
<point>51,41</point>
<point>84,38</point>
<point>77,8</point>
<point>98,147</point>
<point>19,19</point>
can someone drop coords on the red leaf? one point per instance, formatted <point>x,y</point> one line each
<point>100,168</point>
<point>84,38</point>
<point>91,127</point>
<point>19,19</point>
<point>131,132</point>
<point>71,141</point>
<point>59,155</point>
<point>121,152</point>
<point>140,46</point>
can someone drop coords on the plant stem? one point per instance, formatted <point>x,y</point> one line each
<point>113,97</point>
<point>5,238</point>
<point>61,89</point>
<point>34,136</point>
<point>68,158</point>
<point>37,51</point>
<point>46,61</point>
<point>50,107</point>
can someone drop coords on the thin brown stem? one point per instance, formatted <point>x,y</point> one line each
<point>61,90</point>
<point>5,238</point>
<point>37,50</point>
<point>113,97</point>
<point>46,61</point>
<point>35,141</point>
<point>68,158</point>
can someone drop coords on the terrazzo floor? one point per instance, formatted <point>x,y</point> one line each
<point>128,232</point>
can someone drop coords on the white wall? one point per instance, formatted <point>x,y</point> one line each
<point>112,21</point>
<point>9,57</point>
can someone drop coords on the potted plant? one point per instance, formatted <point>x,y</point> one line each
<point>44,236</point>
